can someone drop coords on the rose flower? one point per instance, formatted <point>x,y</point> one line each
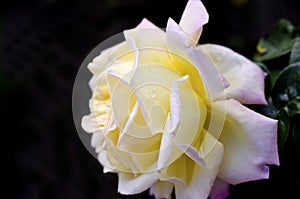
<point>166,113</point>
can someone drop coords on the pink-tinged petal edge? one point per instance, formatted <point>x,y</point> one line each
<point>220,190</point>
<point>145,23</point>
<point>246,79</point>
<point>213,80</point>
<point>192,20</point>
<point>250,144</point>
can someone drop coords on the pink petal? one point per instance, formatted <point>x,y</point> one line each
<point>193,18</point>
<point>145,23</point>
<point>220,190</point>
<point>250,143</point>
<point>246,78</point>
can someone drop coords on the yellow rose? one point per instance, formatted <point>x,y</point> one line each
<point>167,113</point>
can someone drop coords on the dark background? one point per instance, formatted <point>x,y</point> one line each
<point>42,46</point>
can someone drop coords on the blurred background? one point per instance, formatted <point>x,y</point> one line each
<point>43,43</point>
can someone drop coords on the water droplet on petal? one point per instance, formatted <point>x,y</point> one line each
<point>153,94</point>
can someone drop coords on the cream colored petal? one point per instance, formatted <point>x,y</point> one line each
<point>135,126</point>
<point>193,112</point>
<point>176,172</point>
<point>152,85</point>
<point>202,177</point>
<point>167,146</point>
<point>192,153</point>
<point>97,140</point>
<point>212,79</point>
<point>148,36</point>
<point>148,44</point>
<point>109,57</point>
<point>89,124</point>
<point>162,190</point>
<point>250,143</point>
<point>145,23</point>
<point>246,78</point>
<point>115,159</point>
<point>192,20</point>
<point>192,116</point>
<point>129,184</point>
<point>122,99</point>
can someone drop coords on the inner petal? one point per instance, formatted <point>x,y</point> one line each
<point>152,85</point>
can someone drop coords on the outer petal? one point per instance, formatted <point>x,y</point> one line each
<point>202,177</point>
<point>89,124</point>
<point>162,190</point>
<point>111,57</point>
<point>250,142</point>
<point>220,190</point>
<point>129,184</point>
<point>246,78</point>
<point>193,18</point>
<point>119,52</point>
<point>145,23</point>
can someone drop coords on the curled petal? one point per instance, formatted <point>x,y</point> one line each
<point>246,79</point>
<point>146,35</point>
<point>89,124</point>
<point>119,89</point>
<point>203,177</point>
<point>212,79</point>
<point>148,44</point>
<point>193,18</point>
<point>111,57</point>
<point>177,137</point>
<point>153,91</point>
<point>130,184</point>
<point>162,189</point>
<point>250,142</point>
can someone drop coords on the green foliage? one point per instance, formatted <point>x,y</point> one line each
<point>283,126</point>
<point>286,87</point>
<point>279,42</point>
<point>282,86</point>
<point>295,54</point>
<point>296,132</point>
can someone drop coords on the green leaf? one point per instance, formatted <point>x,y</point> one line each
<point>293,107</point>
<point>279,42</point>
<point>283,127</point>
<point>268,79</point>
<point>274,75</point>
<point>295,54</point>
<point>287,87</point>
